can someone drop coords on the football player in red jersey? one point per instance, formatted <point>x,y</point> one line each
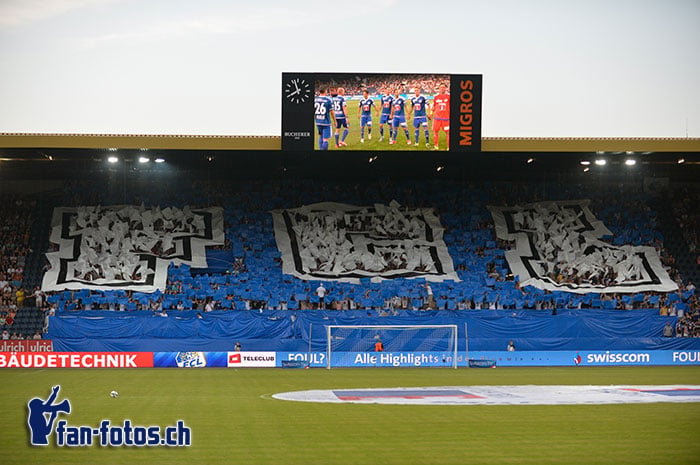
<point>441,114</point>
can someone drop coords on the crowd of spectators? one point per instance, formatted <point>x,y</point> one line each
<point>7,336</point>
<point>381,84</point>
<point>688,325</point>
<point>688,316</point>
<point>254,279</point>
<point>16,216</point>
<point>469,233</point>
<point>687,214</point>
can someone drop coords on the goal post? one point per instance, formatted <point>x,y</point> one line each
<point>401,346</point>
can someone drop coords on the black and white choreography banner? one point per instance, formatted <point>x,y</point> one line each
<point>340,242</point>
<point>127,247</point>
<point>558,248</point>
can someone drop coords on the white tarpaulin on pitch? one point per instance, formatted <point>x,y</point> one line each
<point>558,248</point>
<point>127,247</point>
<point>340,242</point>
<point>502,395</point>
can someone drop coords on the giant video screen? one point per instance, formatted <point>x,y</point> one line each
<point>381,112</point>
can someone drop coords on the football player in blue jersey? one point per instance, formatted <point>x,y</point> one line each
<point>340,110</point>
<point>364,113</point>
<point>398,118</point>
<point>323,114</point>
<point>420,116</point>
<point>385,103</point>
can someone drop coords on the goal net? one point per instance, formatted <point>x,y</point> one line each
<point>391,346</point>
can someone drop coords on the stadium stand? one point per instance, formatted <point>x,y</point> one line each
<point>685,201</point>
<point>245,271</point>
<point>249,276</point>
<point>18,317</point>
<point>252,257</point>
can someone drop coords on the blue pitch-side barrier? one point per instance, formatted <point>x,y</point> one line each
<point>502,358</point>
<point>190,359</point>
<point>423,359</point>
<point>295,331</point>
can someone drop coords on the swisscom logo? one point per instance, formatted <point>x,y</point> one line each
<point>43,413</point>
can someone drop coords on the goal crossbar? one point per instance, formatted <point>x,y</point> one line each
<point>451,338</point>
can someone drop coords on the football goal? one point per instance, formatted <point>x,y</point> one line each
<point>391,345</point>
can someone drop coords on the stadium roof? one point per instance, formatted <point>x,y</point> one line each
<point>28,156</point>
<point>213,142</point>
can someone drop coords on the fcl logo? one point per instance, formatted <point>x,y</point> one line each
<point>191,360</point>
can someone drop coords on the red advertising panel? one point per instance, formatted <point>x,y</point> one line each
<point>12,345</point>
<point>76,360</point>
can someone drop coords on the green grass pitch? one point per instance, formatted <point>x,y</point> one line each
<point>353,139</point>
<point>234,419</point>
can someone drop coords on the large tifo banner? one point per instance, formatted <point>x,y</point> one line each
<point>340,242</point>
<point>127,247</point>
<point>558,248</point>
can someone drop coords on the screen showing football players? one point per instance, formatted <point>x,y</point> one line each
<point>377,111</point>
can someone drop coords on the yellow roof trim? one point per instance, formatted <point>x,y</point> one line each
<point>213,142</point>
